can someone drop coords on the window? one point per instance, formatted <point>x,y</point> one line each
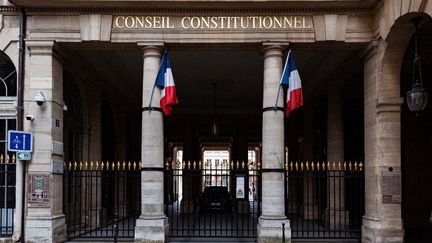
<point>8,77</point>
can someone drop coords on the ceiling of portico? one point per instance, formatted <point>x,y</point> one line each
<point>237,72</point>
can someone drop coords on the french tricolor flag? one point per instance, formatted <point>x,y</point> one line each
<point>291,77</point>
<point>165,82</point>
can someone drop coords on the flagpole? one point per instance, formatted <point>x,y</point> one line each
<point>154,85</point>
<point>277,98</point>
<point>280,83</point>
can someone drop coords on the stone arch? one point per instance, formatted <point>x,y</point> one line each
<point>395,46</point>
<point>8,76</point>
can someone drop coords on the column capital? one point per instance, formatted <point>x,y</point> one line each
<point>269,49</point>
<point>389,104</point>
<point>151,49</point>
<point>45,47</point>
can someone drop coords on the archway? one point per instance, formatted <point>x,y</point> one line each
<point>416,143</point>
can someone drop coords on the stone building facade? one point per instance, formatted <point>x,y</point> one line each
<point>100,59</point>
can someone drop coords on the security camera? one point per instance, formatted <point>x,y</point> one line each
<point>30,117</point>
<point>40,98</point>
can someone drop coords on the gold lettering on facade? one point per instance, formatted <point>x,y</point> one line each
<point>213,22</point>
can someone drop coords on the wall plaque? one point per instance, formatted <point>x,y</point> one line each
<point>391,185</point>
<point>38,192</point>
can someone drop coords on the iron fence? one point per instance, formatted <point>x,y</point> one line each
<point>7,194</point>
<point>221,200</point>
<point>101,200</point>
<point>325,200</point>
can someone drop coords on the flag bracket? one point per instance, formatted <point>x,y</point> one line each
<point>151,108</point>
<point>271,108</point>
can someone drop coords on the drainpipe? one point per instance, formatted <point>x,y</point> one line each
<point>21,165</point>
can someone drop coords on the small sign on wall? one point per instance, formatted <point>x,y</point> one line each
<point>38,191</point>
<point>391,185</point>
<point>240,187</point>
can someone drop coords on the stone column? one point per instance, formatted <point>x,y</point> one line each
<point>45,221</point>
<point>310,207</point>
<point>335,216</point>
<point>382,221</point>
<point>152,225</point>
<point>273,197</point>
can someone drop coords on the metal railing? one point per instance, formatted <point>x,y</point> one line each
<point>101,199</point>
<point>7,194</point>
<point>220,200</point>
<point>325,200</point>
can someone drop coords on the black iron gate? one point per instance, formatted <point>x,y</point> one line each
<point>101,200</point>
<point>7,194</point>
<point>325,200</point>
<point>212,200</point>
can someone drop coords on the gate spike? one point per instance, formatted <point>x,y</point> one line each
<point>200,165</point>
<point>291,165</point>
<point>13,159</point>
<point>129,165</point>
<point>328,165</point>
<point>189,165</point>
<point>355,166</point>
<point>124,165</point>
<point>70,165</point>
<point>86,165</point>
<point>97,165</point>
<point>350,166</point>
<point>301,165</point>
<point>139,165</point>
<point>80,165</point>
<point>361,166</point>
<point>134,165</point>
<point>296,166</point>
<point>112,166</point>
<point>339,166</point>
<point>167,165</point>
<point>1,158</point>
<point>243,165</point>
<point>102,165</point>
<point>345,166</point>
<point>307,165</point>
<point>118,165</point>
<point>323,166</point>
<point>232,165</point>
<point>258,165</point>
<point>312,166</point>
<point>91,165</point>
<point>286,165</point>
<point>318,166</point>
<point>194,165</point>
<point>237,165</point>
<point>7,158</point>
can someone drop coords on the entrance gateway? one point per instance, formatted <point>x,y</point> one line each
<point>218,195</point>
<point>310,176</point>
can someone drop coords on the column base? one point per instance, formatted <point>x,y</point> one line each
<point>336,219</point>
<point>45,229</point>
<point>374,231</point>
<point>270,230</point>
<point>151,230</point>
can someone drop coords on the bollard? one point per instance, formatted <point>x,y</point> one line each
<point>283,232</point>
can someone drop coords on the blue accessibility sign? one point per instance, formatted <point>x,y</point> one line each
<point>20,141</point>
